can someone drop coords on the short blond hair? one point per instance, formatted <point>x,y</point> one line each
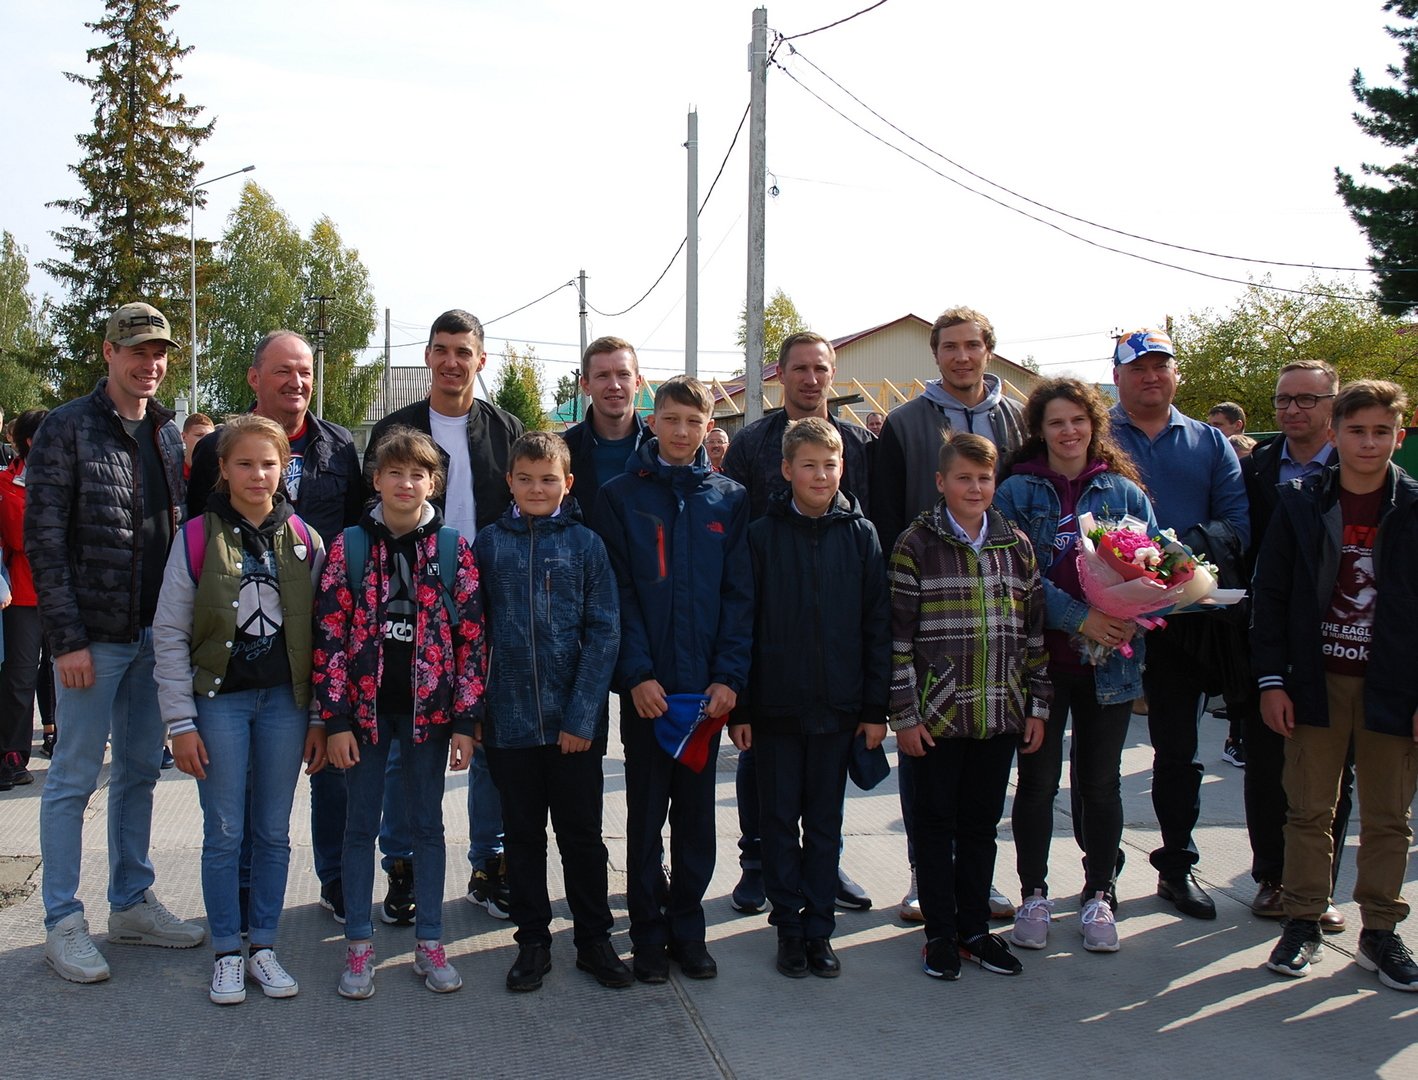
<point>811,430</point>
<point>685,390</point>
<point>242,425</point>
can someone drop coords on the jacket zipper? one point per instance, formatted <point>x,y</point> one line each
<point>982,665</point>
<point>660,548</point>
<point>532,624</point>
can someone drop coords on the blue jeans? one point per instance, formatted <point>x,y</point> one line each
<point>484,813</point>
<point>327,821</point>
<point>422,772</point>
<point>120,707</point>
<point>260,733</point>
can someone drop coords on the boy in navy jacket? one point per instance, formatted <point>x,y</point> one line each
<point>676,532</point>
<point>553,622</point>
<point>821,675</point>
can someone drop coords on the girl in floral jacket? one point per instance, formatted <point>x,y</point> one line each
<point>399,654</point>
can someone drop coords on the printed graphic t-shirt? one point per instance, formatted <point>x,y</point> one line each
<point>1348,625</point>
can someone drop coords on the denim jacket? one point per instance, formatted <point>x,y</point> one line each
<point>553,617</point>
<point>1032,503</point>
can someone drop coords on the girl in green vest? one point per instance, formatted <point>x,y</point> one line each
<point>232,643</point>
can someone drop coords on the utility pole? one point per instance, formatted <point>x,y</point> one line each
<point>581,294</point>
<point>388,360</point>
<point>320,331</point>
<point>691,251</point>
<point>757,172</point>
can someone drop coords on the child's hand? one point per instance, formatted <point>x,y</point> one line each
<point>1278,712</point>
<point>189,753</point>
<point>477,734</point>
<point>460,752</point>
<point>572,744</point>
<point>1033,735</point>
<point>649,699</point>
<point>912,741</point>
<point>741,735</point>
<point>875,733</point>
<point>721,700</point>
<point>314,756</point>
<point>342,750</point>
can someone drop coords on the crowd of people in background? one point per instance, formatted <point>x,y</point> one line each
<point>471,597</point>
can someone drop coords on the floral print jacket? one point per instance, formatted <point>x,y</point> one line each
<point>450,662</point>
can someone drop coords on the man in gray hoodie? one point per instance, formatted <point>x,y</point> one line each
<point>964,398</point>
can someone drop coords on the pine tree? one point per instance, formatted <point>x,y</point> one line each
<point>136,175</point>
<point>519,387</point>
<point>1388,213</point>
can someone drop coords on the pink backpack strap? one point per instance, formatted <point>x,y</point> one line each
<point>302,530</point>
<point>194,535</point>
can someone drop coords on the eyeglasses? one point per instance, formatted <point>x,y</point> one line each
<point>1301,401</point>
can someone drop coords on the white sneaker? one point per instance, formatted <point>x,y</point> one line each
<point>1100,930</point>
<point>910,909</point>
<point>70,951</point>
<point>1031,924</point>
<point>275,981</point>
<point>228,981</point>
<point>431,962</point>
<point>149,923</point>
<point>357,981</point>
<point>1001,906</point>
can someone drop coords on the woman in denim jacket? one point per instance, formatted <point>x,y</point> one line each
<point>1068,466</point>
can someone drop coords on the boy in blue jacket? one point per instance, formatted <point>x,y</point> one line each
<point>676,532</point>
<point>554,627</point>
<point>821,675</point>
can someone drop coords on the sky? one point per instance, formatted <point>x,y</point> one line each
<point>479,153</point>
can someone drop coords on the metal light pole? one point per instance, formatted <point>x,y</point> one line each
<point>192,296</point>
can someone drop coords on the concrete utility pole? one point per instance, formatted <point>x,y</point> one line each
<point>757,173</point>
<point>581,294</point>
<point>192,347</point>
<point>388,361</point>
<point>691,251</point>
<point>320,331</point>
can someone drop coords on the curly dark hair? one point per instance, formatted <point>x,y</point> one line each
<point>1100,447</point>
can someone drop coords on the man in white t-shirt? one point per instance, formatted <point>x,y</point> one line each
<point>474,439</point>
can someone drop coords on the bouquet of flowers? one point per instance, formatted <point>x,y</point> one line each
<point>1128,573</point>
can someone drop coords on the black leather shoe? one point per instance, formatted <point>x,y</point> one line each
<point>694,960</point>
<point>821,960</point>
<point>652,964</point>
<point>792,957</point>
<point>604,965</point>
<point>1186,896</point>
<point>533,961</point>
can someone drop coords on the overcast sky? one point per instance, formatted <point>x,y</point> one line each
<point>479,153</point>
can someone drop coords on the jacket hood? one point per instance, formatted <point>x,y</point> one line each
<point>646,461</point>
<point>219,503</point>
<point>943,398</point>
<point>998,531</point>
<point>429,522</point>
<point>1039,466</point>
<point>569,514</point>
<point>844,508</point>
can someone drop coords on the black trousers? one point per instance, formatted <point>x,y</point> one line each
<point>959,799</point>
<point>19,676</point>
<point>657,787</point>
<point>1175,699</point>
<point>801,778</point>
<point>533,783</point>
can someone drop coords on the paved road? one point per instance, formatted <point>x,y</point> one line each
<point>1181,995</point>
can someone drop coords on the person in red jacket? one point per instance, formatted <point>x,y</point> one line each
<point>21,672</point>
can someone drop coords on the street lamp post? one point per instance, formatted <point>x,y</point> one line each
<point>192,301</point>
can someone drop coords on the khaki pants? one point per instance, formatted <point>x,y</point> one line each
<point>1387,769</point>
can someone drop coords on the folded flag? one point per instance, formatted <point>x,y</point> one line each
<point>686,730</point>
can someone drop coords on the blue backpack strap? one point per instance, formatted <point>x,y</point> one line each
<point>194,538</point>
<point>448,570</point>
<point>356,555</point>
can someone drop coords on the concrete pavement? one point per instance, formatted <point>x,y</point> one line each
<point>1182,997</point>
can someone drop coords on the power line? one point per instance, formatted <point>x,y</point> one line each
<point>829,26</point>
<point>616,314</point>
<point>524,307</point>
<point>1059,228</point>
<point>1064,213</point>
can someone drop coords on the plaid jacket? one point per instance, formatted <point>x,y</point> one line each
<point>967,631</point>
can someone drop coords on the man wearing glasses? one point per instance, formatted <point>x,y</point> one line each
<point>1304,396</point>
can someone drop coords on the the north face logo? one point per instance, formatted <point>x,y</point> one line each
<point>716,527</point>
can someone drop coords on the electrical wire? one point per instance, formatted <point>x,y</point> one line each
<point>722,165</point>
<point>538,300</point>
<point>1064,213</point>
<point>1059,228</point>
<point>829,26</point>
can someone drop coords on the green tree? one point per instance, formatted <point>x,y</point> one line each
<point>26,342</point>
<point>519,387</point>
<point>780,319</point>
<point>264,273</point>
<point>135,174</point>
<point>567,387</point>
<point>1237,355</point>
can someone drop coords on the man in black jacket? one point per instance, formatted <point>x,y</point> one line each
<point>104,480</point>
<point>1304,396</point>
<point>474,440</point>
<point>324,484</point>
<point>612,431</point>
<point>807,366</point>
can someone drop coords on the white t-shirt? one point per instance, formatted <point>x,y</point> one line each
<point>459,508</point>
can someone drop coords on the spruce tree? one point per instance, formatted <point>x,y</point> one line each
<point>137,170</point>
<point>1388,212</point>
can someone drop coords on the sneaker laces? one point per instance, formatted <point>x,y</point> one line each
<point>1098,910</point>
<point>161,916</point>
<point>268,967</point>
<point>227,976</point>
<point>1394,949</point>
<point>434,954</point>
<point>78,943</point>
<point>356,960</point>
<point>1036,909</point>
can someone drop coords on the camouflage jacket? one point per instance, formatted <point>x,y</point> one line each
<point>82,531</point>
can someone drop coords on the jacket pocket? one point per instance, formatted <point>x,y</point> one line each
<point>937,693</point>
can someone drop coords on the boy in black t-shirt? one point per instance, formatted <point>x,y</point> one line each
<point>1332,641</point>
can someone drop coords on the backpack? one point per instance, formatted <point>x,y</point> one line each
<point>194,537</point>
<point>357,555</point>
